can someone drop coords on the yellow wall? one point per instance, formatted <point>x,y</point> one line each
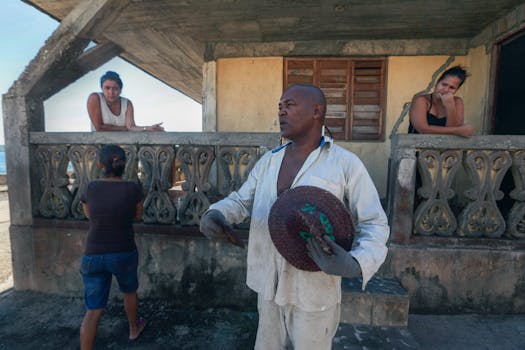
<point>476,89</point>
<point>248,90</point>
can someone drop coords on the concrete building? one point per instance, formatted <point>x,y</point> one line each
<point>458,250</point>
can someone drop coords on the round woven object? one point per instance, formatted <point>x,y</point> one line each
<point>308,212</point>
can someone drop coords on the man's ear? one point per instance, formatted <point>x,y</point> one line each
<point>318,111</point>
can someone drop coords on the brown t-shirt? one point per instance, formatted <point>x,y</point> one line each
<point>112,207</point>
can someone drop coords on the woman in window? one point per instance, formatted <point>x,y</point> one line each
<point>441,112</point>
<point>109,111</point>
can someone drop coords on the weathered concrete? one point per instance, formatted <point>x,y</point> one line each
<point>187,268</point>
<point>209,96</point>
<point>171,40</point>
<point>406,47</point>
<point>21,115</point>
<point>262,139</point>
<point>511,22</point>
<point>384,302</point>
<point>23,257</point>
<point>196,271</point>
<point>459,280</point>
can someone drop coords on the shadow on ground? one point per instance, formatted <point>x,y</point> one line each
<point>32,320</point>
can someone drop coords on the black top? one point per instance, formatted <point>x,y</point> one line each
<point>112,207</point>
<point>431,120</point>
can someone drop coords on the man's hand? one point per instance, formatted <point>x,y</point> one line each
<point>339,263</point>
<point>214,225</point>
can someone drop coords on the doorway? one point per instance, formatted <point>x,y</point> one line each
<point>509,111</point>
<point>509,108</point>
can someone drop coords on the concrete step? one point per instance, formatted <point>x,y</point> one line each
<point>361,337</point>
<point>384,302</point>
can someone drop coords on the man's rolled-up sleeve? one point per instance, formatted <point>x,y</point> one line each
<point>370,221</point>
<point>237,206</point>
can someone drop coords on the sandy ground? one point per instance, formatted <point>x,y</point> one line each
<point>6,272</point>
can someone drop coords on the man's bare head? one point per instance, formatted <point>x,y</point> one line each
<point>313,94</point>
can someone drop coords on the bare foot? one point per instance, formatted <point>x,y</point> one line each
<point>141,324</point>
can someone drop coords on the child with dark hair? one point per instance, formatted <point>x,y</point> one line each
<point>441,112</point>
<point>111,204</point>
<point>109,111</point>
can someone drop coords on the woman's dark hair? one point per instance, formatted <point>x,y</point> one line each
<point>456,71</point>
<point>113,159</point>
<point>110,75</point>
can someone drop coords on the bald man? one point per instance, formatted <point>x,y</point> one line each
<point>301,309</point>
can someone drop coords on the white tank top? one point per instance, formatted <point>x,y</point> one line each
<point>108,117</point>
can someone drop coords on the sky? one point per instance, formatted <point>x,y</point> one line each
<point>24,30</point>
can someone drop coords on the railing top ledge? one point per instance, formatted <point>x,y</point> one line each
<point>263,139</point>
<point>500,142</point>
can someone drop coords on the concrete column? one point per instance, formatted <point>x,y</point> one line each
<point>22,114</point>
<point>401,194</point>
<point>209,96</point>
<point>23,256</point>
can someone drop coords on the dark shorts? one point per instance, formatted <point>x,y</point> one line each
<point>97,271</point>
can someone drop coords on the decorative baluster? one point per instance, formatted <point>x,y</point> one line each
<point>130,172</point>
<point>195,163</point>
<point>482,217</point>
<point>516,218</point>
<point>56,198</point>
<point>433,215</point>
<point>157,163</point>
<point>84,160</point>
<point>234,165</point>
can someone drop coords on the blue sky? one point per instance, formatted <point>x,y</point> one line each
<point>24,30</point>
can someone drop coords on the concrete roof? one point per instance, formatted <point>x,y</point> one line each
<point>172,39</point>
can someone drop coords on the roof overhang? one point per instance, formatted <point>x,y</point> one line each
<point>172,39</point>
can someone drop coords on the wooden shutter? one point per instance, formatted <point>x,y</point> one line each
<point>299,71</point>
<point>334,80</point>
<point>353,89</point>
<point>367,100</point>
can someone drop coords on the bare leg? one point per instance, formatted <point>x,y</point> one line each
<point>88,329</point>
<point>131,302</point>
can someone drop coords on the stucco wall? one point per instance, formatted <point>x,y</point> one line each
<point>455,280</point>
<point>190,271</point>
<point>476,93</point>
<point>248,90</point>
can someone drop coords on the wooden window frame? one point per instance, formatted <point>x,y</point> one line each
<point>309,72</point>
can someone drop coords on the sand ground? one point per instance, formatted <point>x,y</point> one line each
<point>6,271</point>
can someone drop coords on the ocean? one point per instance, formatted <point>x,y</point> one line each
<point>3,169</point>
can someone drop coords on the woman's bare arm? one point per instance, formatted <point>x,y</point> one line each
<point>130,122</point>
<point>418,118</point>
<point>85,209</point>
<point>138,211</point>
<point>453,109</point>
